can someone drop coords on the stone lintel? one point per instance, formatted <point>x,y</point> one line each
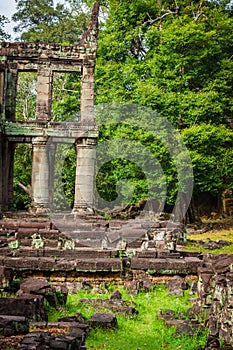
<point>18,131</point>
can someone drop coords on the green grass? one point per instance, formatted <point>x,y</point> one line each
<point>214,235</point>
<point>144,331</point>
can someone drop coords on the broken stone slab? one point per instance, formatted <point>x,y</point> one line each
<point>162,254</point>
<point>113,305</point>
<point>152,254</point>
<point>167,314</point>
<point>24,232</point>
<point>74,340</point>
<point>54,295</point>
<point>35,224</point>
<point>76,318</point>
<point>103,320</point>
<point>35,286</point>
<point>63,323</point>
<point>185,327</point>
<point>13,325</point>
<point>176,285</point>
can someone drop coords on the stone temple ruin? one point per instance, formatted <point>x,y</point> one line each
<point>42,133</point>
<point>81,228</point>
<point>75,250</point>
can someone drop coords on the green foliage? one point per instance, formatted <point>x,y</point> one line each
<point>64,177</point>
<point>26,96</point>
<point>211,151</point>
<point>66,96</point>
<point>178,61</point>
<point>181,69</point>
<point>22,174</point>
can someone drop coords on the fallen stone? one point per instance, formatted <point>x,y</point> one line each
<point>185,327</point>
<point>103,320</point>
<point>167,314</point>
<point>113,305</point>
<point>76,318</point>
<point>35,286</point>
<point>116,295</point>
<point>175,284</point>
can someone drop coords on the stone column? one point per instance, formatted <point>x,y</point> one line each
<point>40,175</point>
<point>11,78</point>
<point>85,172</point>
<point>44,94</point>
<point>87,94</point>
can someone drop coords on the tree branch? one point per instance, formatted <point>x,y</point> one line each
<point>169,12</point>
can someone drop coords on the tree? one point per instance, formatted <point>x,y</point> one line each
<point>183,66</point>
<point>41,20</point>
<point>211,151</point>
<point>176,59</point>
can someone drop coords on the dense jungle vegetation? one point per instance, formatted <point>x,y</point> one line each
<point>173,57</point>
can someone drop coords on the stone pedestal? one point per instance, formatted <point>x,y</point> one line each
<point>84,182</point>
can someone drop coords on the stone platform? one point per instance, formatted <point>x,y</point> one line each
<point>68,249</point>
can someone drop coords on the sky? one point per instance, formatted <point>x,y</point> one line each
<point>7,8</point>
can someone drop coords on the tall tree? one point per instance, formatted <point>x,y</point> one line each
<point>175,57</point>
<point>42,20</point>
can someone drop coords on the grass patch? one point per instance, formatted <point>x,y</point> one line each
<point>144,331</point>
<point>214,235</point>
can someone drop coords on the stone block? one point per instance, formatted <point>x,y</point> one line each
<point>113,264</point>
<point>103,320</point>
<point>29,306</point>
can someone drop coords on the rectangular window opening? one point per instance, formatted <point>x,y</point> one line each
<point>66,97</point>
<point>26,96</point>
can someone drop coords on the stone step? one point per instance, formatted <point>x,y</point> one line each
<point>166,266</point>
<point>53,264</point>
<point>84,253</point>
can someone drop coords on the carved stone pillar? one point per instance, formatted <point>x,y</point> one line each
<point>85,172</point>
<point>87,94</point>
<point>44,94</point>
<point>42,168</point>
<point>11,79</point>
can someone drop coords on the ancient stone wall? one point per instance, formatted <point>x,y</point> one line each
<point>215,296</point>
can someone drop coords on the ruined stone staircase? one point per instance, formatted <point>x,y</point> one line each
<point>67,248</point>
